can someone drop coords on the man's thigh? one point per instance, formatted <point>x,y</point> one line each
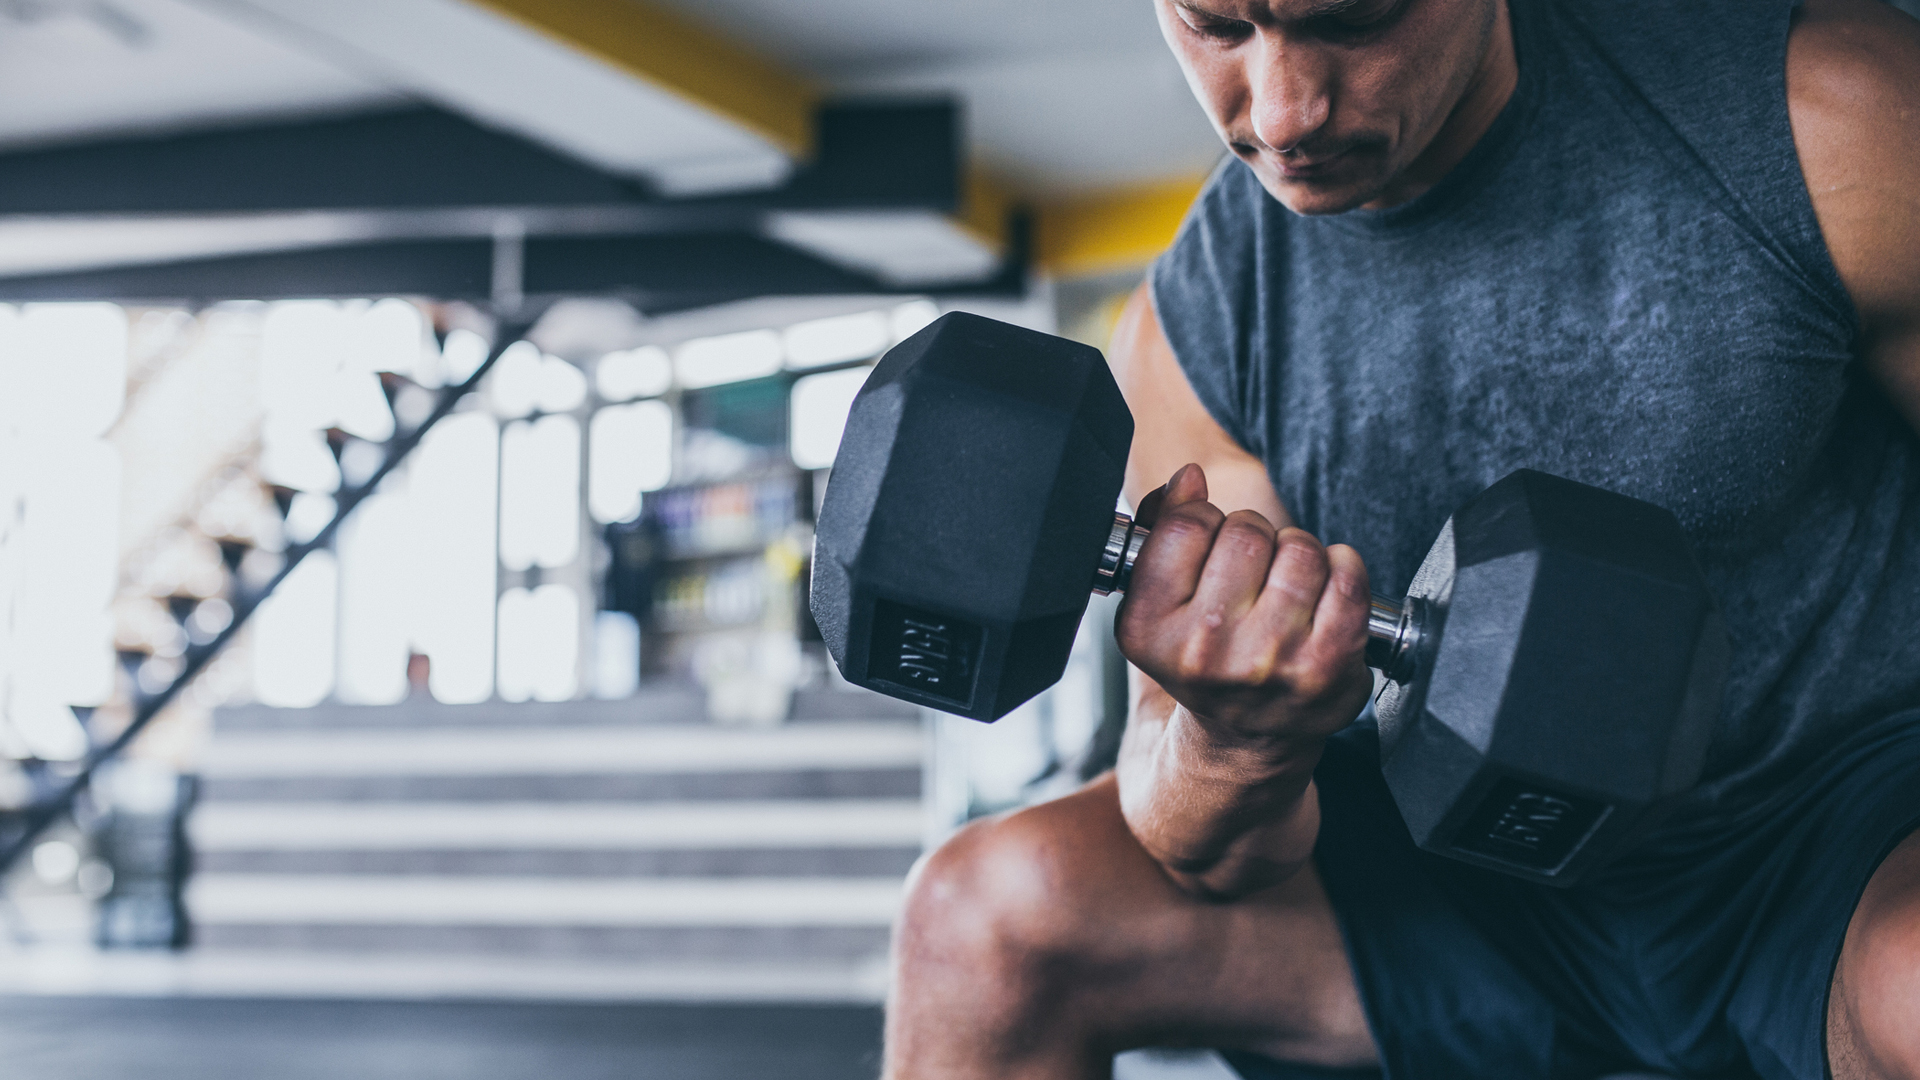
<point>1040,943</point>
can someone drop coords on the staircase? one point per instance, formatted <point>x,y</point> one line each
<point>583,850</point>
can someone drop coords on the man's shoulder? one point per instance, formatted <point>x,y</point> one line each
<point>1853,94</point>
<point>1853,70</point>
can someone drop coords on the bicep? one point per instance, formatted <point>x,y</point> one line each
<point>1853,91</point>
<point>1172,428</point>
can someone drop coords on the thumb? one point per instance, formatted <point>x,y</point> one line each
<point>1189,484</point>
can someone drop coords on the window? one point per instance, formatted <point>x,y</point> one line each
<point>819,409</point>
<point>540,492</point>
<point>539,643</point>
<point>630,451</point>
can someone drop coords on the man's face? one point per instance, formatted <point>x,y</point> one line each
<point>1329,101</point>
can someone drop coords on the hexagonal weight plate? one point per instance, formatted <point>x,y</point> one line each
<point>975,484</point>
<point>1567,682</point>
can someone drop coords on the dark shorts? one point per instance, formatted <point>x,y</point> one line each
<point>1710,958</point>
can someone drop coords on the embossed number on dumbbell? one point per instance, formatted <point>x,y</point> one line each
<point>922,650</point>
<point>1526,825</point>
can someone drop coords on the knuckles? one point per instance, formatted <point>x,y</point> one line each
<point>1228,657</point>
<point>1247,537</point>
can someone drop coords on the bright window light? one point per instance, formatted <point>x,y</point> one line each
<point>633,373</point>
<point>562,386</point>
<point>300,345</point>
<point>392,333</point>
<point>70,512</point>
<point>514,384</point>
<point>377,563</point>
<point>818,414</point>
<point>837,340</point>
<point>307,515</point>
<point>297,457</point>
<point>616,655</point>
<point>727,358</point>
<point>66,547</point>
<point>55,861</point>
<point>360,406</point>
<point>539,643</point>
<point>629,451</point>
<point>452,492</point>
<point>540,492</point>
<point>315,370</point>
<point>912,317</point>
<point>69,368</point>
<point>293,637</point>
<point>461,356</point>
<point>47,726</point>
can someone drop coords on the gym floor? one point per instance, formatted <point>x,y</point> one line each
<point>215,1039</point>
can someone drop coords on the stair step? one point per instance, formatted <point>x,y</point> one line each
<point>812,783</point>
<point>224,826</point>
<point>416,901</point>
<point>653,944</point>
<point>237,973</point>
<point>549,862</point>
<point>525,751</point>
<point>657,705</point>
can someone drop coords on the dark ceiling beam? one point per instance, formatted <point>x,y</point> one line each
<point>654,273</point>
<point>870,154</point>
<point>657,272</point>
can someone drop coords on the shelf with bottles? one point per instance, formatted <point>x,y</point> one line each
<point>737,517</point>
<point>721,595</point>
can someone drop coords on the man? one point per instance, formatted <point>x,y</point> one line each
<point>1668,248</point>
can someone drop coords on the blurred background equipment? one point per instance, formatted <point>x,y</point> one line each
<point>413,419</point>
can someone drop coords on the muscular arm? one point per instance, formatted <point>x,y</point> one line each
<point>1216,770</point>
<point>1853,95</point>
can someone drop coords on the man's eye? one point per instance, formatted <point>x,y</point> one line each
<point>1213,26</point>
<point>1362,16</point>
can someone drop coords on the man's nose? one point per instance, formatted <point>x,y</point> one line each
<point>1292,92</point>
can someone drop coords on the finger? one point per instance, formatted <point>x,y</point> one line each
<point>1189,483</point>
<point>1169,566</point>
<point>1283,615</point>
<point>1236,569</point>
<point>1339,634</point>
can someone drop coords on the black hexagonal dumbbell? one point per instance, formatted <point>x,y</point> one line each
<point>1549,681</point>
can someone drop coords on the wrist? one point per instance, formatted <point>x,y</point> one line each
<point>1251,759</point>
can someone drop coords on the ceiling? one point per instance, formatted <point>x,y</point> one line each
<point>71,70</point>
<point>1062,95</point>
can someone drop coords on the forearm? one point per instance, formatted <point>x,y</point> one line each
<point>1225,816</point>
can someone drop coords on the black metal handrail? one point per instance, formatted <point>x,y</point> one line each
<point>46,811</point>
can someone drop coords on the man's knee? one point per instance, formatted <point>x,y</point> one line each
<point>1026,895</point>
<point>1875,1018</point>
<point>992,953</point>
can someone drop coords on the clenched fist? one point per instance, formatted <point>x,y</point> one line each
<point>1259,633</point>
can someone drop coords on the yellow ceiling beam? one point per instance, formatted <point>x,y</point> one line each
<point>682,57</point>
<point>985,203</point>
<point>1109,231</point>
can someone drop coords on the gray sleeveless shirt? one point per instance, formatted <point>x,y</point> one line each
<point>1624,284</point>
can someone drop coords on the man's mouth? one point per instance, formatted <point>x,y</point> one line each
<point>1308,168</point>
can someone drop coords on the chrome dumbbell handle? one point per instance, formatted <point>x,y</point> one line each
<point>1393,628</point>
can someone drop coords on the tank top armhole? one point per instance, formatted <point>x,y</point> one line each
<point>1204,291</point>
<point>1674,57</point>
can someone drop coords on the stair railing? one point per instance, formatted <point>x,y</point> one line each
<point>44,812</point>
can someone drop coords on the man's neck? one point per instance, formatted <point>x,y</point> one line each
<point>1486,94</point>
